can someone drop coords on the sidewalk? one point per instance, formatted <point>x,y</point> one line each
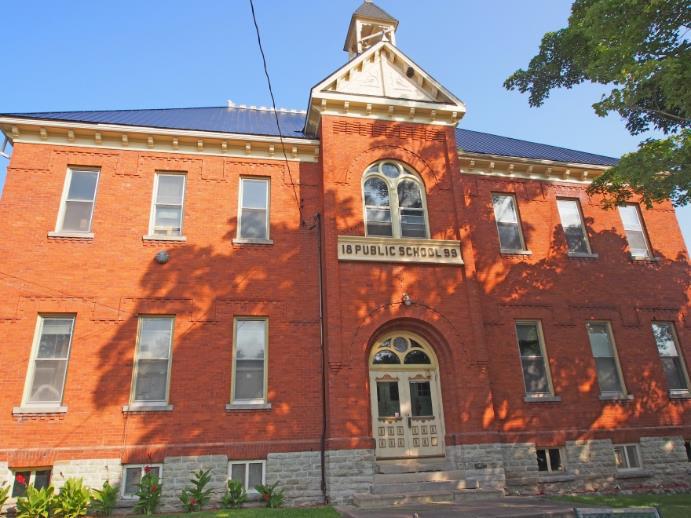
<point>507,507</point>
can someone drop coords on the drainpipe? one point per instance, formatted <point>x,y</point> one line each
<point>322,335</point>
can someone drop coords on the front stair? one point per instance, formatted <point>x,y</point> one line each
<point>420,481</point>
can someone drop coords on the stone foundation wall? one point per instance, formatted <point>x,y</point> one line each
<point>482,464</point>
<point>93,472</point>
<point>178,471</point>
<point>665,458</point>
<point>298,474</point>
<point>348,472</point>
<point>5,478</point>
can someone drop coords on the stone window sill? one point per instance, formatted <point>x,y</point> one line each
<point>515,252</point>
<point>580,255</point>
<point>616,397</point>
<point>72,235</point>
<point>680,395</point>
<point>248,241</point>
<point>248,406</point>
<point>634,473</point>
<point>153,237</point>
<point>557,477</point>
<point>39,410</point>
<point>138,407</point>
<point>547,398</point>
<point>644,259</point>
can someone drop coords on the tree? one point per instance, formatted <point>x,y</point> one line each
<point>642,49</point>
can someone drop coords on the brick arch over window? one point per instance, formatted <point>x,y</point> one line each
<point>359,164</point>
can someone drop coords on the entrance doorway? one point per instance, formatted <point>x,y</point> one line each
<point>405,398</point>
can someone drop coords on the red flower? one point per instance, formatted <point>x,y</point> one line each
<point>147,469</point>
<point>265,497</point>
<point>20,479</point>
<point>154,488</point>
<point>193,501</point>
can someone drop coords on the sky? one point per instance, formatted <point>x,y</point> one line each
<point>86,55</point>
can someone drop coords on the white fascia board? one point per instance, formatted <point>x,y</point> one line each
<point>536,161</point>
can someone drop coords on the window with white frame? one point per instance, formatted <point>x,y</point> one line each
<point>249,353</point>
<point>132,475</point>
<point>253,211</point>
<point>606,361</point>
<point>672,362</point>
<point>248,472</point>
<point>394,201</point>
<point>50,355</point>
<point>549,459</point>
<point>152,360</point>
<point>531,347</point>
<point>77,206</point>
<point>508,223</point>
<point>639,245</point>
<point>37,477</point>
<point>627,456</point>
<point>573,225</point>
<point>167,209</point>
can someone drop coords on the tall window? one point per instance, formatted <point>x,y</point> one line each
<point>533,359</point>
<point>168,203</point>
<point>249,373</point>
<point>508,223</point>
<point>254,209</point>
<point>394,201</point>
<point>51,352</point>
<point>672,362</point>
<point>78,198</point>
<point>152,360</point>
<point>608,372</point>
<point>635,233</point>
<point>574,228</point>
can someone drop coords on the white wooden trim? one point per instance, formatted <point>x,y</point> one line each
<point>624,394</point>
<point>141,404</point>
<point>545,359</point>
<point>241,195</point>
<point>246,463</point>
<point>59,231</point>
<point>151,236</point>
<point>253,403</point>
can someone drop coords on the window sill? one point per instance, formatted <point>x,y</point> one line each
<point>72,235</point>
<point>248,406</point>
<point>547,398</point>
<point>616,397</point>
<point>645,259</point>
<point>138,407</point>
<point>633,473</point>
<point>248,241</point>
<point>680,395</point>
<point>153,237</point>
<point>35,410</point>
<point>515,252</point>
<point>581,255</point>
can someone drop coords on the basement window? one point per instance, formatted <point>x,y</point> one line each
<point>627,457</point>
<point>549,459</point>
<point>132,475</point>
<point>687,446</point>
<point>38,477</point>
<point>250,473</point>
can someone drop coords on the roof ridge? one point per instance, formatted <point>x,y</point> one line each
<point>237,106</point>
<point>533,142</point>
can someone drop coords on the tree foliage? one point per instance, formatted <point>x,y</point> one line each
<point>642,49</point>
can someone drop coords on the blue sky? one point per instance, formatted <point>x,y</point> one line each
<point>86,55</point>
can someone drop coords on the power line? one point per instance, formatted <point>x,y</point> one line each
<point>273,103</point>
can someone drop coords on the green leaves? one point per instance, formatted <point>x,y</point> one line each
<point>148,492</point>
<point>234,496</point>
<point>73,499</point>
<point>196,497</point>
<point>640,49</point>
<point>37,503</point>
<point>4,494</point>
<point>270,494</point>
<point>103,500</point>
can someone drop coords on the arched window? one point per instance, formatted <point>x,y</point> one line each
<point>400,350</point>
<point>394,201</point>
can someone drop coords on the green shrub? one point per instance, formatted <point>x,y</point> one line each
<point>235,495</point>
<point>103,500</point>
<point>196,497</point>
<point>4,494</point>
<point>271,495</point>
<point>148,492</point>
<point>73,499</point>
<point>37,503</point>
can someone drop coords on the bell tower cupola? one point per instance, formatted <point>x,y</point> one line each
<point>369,25</point>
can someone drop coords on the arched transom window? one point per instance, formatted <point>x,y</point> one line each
<point>400,350</point>
<point>394,201</point>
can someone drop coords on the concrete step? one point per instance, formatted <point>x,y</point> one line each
<point>421,476</point>
<point>379,501</point>
<point>413,465</point>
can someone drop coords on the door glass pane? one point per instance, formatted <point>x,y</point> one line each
<point>171,189</point>
<point>254,194</point>
<point>82,185</point>
<point>255,474</point>
<point>388,399</point>
<point>49,377</point>
<point>152,379</point>
<point>77,216</point>
<point>253,223</point>
<point>420,398</point>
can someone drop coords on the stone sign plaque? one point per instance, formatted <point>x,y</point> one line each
<point>389,250</point>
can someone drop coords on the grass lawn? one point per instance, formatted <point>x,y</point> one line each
<point>261,512</point>
<point>671,506</point>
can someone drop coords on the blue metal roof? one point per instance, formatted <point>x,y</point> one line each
<point>262,122</point>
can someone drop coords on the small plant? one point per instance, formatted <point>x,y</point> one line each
<point>103,500</point>
<point>235,495</point>
<point>271,495</point>
<point>148,492</point>
<point>196,497</point>
<point>73,499</point>
<point>37,503</point>
<point>4,494</point>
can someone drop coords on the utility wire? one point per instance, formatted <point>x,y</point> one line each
<point>273,102</point>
